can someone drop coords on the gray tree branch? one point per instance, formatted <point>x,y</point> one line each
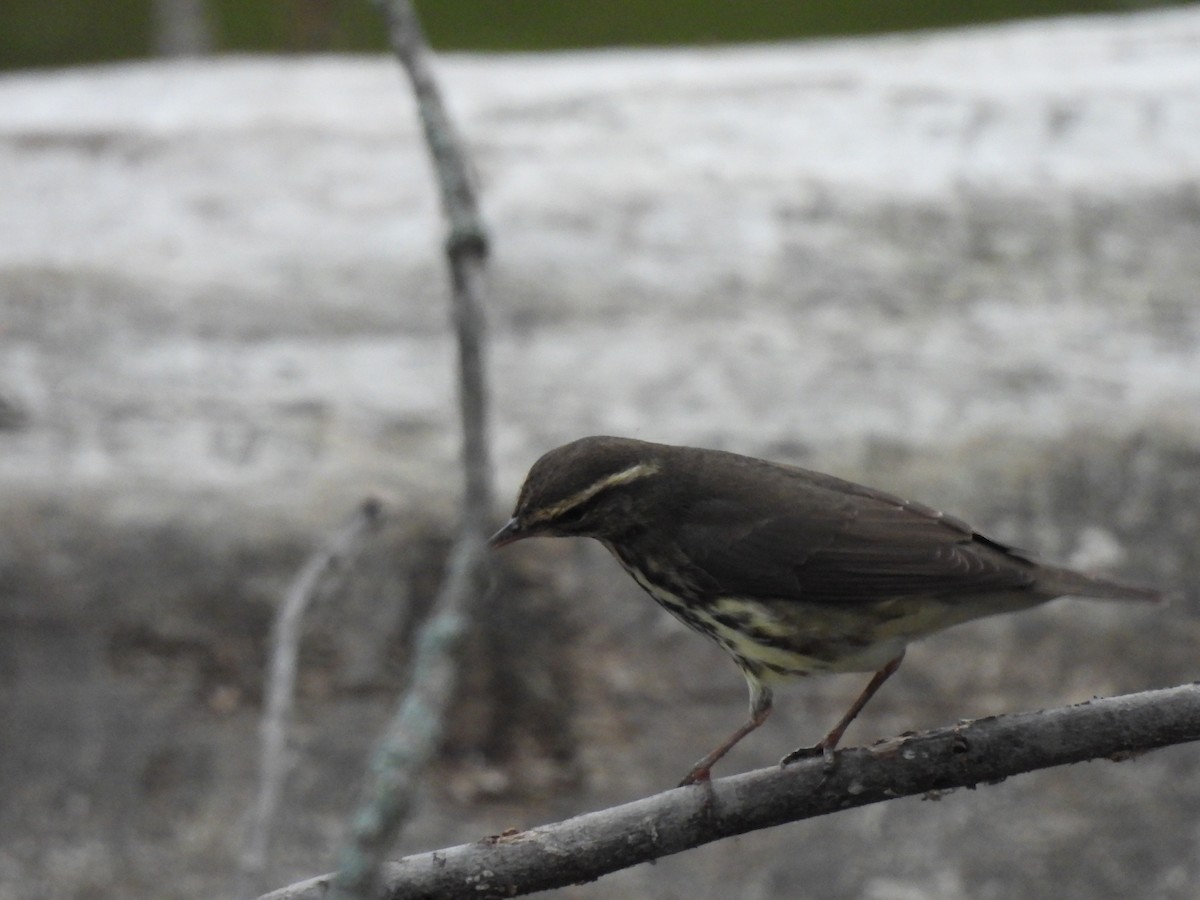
<point>274,759</point>
<point>968,754</point>
<point>466,247</point>
<point>416,729</point>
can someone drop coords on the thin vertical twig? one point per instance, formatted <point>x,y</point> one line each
<point>466,247</point>
<point>417,727</point>
<point>281,679</point>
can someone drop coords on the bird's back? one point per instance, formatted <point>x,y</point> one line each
<point>758,528</point>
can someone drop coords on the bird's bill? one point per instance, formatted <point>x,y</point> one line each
<point>506,535</point>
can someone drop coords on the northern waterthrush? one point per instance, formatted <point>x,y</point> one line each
<point>792,572</point>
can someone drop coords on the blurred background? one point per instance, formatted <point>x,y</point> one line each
<point>72,32</point>
<point>956,264</point>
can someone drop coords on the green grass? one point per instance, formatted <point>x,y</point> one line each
<point>70,32</point>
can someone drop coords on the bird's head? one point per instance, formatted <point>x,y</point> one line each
<point>592,487</point>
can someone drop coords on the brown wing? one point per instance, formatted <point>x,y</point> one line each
<point>834,542</point>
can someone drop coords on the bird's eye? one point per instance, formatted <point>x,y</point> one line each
<point>572,515</point>
<point>575,515</point>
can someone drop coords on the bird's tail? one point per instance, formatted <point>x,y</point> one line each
<point>1066,582</point>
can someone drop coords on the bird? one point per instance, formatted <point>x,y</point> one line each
<point>792,572</point>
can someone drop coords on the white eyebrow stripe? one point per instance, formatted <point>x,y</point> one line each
<point>633,473</point>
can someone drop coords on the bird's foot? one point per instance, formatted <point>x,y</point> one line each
<point>698,775</point>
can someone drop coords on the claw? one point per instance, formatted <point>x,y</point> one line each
<point>801,753</point>
<point>829,756</point>
<point>827,753</point>
<point>698,775</point>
